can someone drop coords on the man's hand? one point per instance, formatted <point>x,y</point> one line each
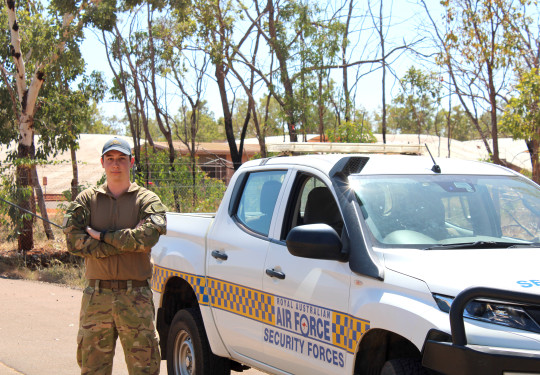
<point>93,233</point>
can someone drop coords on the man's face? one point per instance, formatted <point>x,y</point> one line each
<point>117,166</point>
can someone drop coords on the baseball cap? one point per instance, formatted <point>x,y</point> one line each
<point>117,144</point>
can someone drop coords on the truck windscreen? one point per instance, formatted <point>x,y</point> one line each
<point>449,211</point>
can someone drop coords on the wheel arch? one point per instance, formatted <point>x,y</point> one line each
<point>378,346</point>
<point>178,294</point>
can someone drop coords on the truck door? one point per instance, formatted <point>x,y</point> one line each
<point>311,295</point>
<point>237,247</point>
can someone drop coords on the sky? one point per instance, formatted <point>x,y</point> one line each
<point>402,14</point>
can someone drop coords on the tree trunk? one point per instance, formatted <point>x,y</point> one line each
<point>344,62</point>
<point>321,108</point>
<point>534,147</point>
<point>289,101</point>
<point>236,157</point>
<point>24,182</point>
<point>193,150</point>
<point>75,171</point>
<point>493,113</point>
<point>261,133</point>
<point>449,117</point>
<point>41,204</point>
<point>381,35</point>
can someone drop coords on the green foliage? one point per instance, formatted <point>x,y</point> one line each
<point>194,192</point>
<point>11,216</point>
<point>416,102</point>
<point>351,132</point>
<point>209,129</point>
<point>461,127</point>
<point>64,114</point>
<point>522,113</point>
<point>102,14</point>
<point>276,118</point>
<point>476,31</point>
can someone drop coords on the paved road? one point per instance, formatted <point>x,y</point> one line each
<point>38,328</point>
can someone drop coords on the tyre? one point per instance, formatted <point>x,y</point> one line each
<point>403,366</point>
<point>188,351</point>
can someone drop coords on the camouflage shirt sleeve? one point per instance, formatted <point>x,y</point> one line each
<point>145,235</point>
<point>78,241</point>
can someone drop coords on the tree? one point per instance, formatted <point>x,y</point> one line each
<point>461,127</point>
<point>522,116</point>
<point>209,129</point>
<point>381,32</point>
<point>357,130</point>
<point>127,85</point>
<point>521,112</point>
<point>217,21</point>
<point>418,94</point>
<point>37,47</point>
<point>304,40</point>
<point>476,49</point>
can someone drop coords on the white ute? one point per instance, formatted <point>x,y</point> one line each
<point>355,264</point>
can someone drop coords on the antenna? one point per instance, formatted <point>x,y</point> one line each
<point>436,168</point>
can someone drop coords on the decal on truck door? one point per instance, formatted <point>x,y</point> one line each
<point>307,329</point>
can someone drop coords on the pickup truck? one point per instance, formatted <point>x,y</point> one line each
<point>355,264</point>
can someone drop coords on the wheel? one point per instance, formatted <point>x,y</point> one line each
<point>188,351</point>
<point>403,366</point>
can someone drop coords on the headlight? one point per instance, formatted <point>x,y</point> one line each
<point>491,312</point>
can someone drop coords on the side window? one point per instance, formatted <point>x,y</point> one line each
<point>313,204</point>
<point>258,200</point>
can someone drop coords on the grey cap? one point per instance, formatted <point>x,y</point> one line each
<point>117,144</point>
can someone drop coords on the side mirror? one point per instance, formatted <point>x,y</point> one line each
<point>316,241</point>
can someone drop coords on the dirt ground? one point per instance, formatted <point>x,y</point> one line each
<point>38,327</point>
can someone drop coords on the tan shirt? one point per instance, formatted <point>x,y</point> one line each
<point>108,213</point>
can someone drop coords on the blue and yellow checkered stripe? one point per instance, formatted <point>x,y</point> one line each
<point>198,283</point>
<point>347,331</point>
<point>237,299</point>
<point>247,302</point>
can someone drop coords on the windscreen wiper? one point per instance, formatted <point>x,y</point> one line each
<point>474,245</point>
<point>531,244</point>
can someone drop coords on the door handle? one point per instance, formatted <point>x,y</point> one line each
<point>219,255</point>
<point>273,273</point>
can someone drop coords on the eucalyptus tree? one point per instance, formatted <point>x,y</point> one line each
<point>522,116</point>
<point>127,86</point>
<point>184,68</point>
<point>522,113</point>
<point>379,25</point>
<point>292,30</point>
<point>222,39</point>
<point>418,96</point>
<point>477,50</point>
<point>345,69</point>
<point>37,37</point>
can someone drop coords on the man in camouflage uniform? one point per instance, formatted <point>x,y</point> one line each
<point>114,228</point>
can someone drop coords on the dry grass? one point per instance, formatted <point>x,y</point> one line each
<point>48,261</point>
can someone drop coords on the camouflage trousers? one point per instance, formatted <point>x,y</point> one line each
<point>108,314</point>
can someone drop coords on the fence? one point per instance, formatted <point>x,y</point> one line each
<point>181,190</point>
